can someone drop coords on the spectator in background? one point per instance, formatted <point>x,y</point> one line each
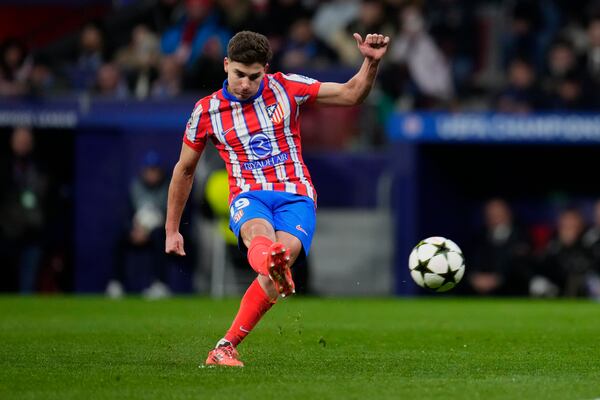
<point>15,67</point>
<point>168,84</point>
<point>332,17</point>
<point>166,13</point>
<point>454,27</point>
<point>592,55</point>
<point>591,59</point>
<point>566,264</point>
<point>208,72</point>
<point>371,17</point>
<point>524,22</point>
<point>430,79</point>
<point>302,49</point>
<point>237,15</point>
<point>575,16</point>
<point>569,95</point>
<point>187,39</point>
<point>144,229</point>
<point>91,56</point>
<point>281,14</point>
<point>531,26</point>
<point>23,193</point>
<point>562,60</point>
<point>110,83</point>
<point>564,82</point>
<point>42,80</point>
<point>591,241</point>
<point>499,260</point>
<point>139,60</point>
<point>521,95</point>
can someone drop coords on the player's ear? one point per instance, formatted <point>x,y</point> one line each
<point>225,64</point>
<point>267,68</point>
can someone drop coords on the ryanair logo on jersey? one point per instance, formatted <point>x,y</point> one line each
<point>267,162</point>
<point>275,113</point>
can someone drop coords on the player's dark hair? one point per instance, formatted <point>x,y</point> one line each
<point>249,47</point>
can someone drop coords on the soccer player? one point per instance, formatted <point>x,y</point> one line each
<point>253,122</point>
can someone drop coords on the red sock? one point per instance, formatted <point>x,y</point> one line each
<point>257,254</point>
<point>254,305</point>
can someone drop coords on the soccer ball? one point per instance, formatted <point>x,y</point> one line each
<point>436,263</point>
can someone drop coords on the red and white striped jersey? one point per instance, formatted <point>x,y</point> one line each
<point>258,138</point>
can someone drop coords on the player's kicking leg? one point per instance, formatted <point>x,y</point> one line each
<point>271,256</point>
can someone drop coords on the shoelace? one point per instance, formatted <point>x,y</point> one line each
<point>228,350</point>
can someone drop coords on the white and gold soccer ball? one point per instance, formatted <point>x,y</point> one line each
<point>437,263</point>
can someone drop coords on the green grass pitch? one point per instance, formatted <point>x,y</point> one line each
<point>305,348</point>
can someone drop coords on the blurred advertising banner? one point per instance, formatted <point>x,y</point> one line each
<point>85,112</point>
<point>495,128</point>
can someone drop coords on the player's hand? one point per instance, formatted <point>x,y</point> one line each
<point>373,47</point>
<point>174,244</point>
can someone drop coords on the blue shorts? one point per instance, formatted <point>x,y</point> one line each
<point>288,212</point>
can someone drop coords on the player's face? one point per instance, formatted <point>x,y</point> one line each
<point>243,80</point>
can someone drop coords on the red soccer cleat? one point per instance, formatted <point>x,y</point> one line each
<point>279,271</point>
<point>224,355</point>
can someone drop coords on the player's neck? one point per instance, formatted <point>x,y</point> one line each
<point>229,95</point>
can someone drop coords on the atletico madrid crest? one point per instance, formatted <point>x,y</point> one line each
<point>275,112</point>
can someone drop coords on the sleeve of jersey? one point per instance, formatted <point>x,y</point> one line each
<point>305,90</point>
<point>196,130</point>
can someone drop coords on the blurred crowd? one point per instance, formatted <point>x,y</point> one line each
<point>509,258</point>
<point>511,56</point>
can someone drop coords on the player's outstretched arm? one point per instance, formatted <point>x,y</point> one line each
<point>353,92</point>
<point>179,191</point>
